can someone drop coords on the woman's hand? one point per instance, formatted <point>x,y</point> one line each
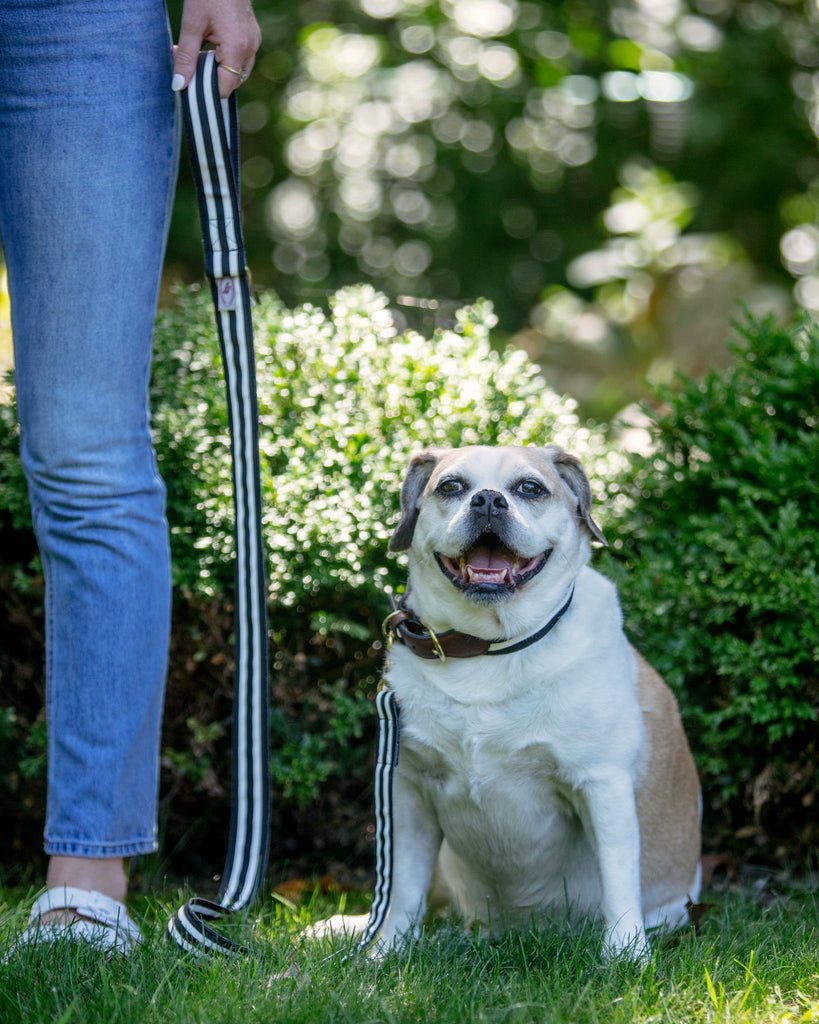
<point>231,26</point>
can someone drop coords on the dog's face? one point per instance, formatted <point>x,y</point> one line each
<point>488,526</point>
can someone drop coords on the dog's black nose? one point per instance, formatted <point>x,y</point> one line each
<point>489,503</point>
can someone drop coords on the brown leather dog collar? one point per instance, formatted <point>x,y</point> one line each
<point>402,626</point>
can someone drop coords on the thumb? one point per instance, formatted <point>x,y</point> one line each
<point>185,56</point>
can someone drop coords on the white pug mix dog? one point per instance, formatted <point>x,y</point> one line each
<point>543,765</point>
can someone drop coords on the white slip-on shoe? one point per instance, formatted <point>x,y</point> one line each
<point>103,922</point>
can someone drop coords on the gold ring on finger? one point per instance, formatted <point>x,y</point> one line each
<point>241,74</point>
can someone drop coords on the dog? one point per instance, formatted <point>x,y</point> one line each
<point>543,766</point>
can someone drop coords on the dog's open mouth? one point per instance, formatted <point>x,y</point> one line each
<point>489,567</point>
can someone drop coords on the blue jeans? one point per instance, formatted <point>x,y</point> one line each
<point>88,150</point>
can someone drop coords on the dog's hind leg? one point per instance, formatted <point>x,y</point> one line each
<point>675,913</point>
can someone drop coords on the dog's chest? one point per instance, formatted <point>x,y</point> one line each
<point>536,730</point>
<point>482,760</point>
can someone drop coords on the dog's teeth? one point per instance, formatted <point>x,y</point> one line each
<point>470,573</point>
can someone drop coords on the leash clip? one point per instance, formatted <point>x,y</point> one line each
<point>387,629</point>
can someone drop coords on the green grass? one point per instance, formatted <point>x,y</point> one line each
<point>751,961</point>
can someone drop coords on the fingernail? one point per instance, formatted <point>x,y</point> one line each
<point>178,83</point>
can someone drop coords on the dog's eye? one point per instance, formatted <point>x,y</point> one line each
<point>451,487</point>
<point>530,489</point>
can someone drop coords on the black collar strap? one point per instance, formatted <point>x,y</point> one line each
<point>404,628</point>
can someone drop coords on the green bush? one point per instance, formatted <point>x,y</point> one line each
<point>715,549</point>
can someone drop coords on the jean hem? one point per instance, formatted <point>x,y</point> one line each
<point>107,850</point>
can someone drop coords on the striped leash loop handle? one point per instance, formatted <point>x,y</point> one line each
<point>386,762</point>
<point>211,128</point>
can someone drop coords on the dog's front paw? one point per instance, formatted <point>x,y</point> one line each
<point>342,928</point>
<point>338,927</point>
<point>628,945</point>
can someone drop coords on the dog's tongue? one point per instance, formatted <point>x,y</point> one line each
<point>487,564</point>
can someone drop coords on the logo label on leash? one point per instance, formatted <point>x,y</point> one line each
<point>226,293</point>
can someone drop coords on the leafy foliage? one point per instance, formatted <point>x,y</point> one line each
<point>343,398</point>
<point>718,529</point>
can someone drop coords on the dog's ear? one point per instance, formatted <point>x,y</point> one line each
<point>571,472</point>
<point>420,470</point>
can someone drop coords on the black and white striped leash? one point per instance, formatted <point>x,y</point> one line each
<point>386,761</point>
<point>211,128</point>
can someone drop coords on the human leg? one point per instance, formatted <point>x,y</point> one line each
<point>108,875</point>
<point>86,166</point>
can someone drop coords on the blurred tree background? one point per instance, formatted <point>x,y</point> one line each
<point>613,176</point>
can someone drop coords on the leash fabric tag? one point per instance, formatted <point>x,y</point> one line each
<point>212,132</point>
<point>226,291</point>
